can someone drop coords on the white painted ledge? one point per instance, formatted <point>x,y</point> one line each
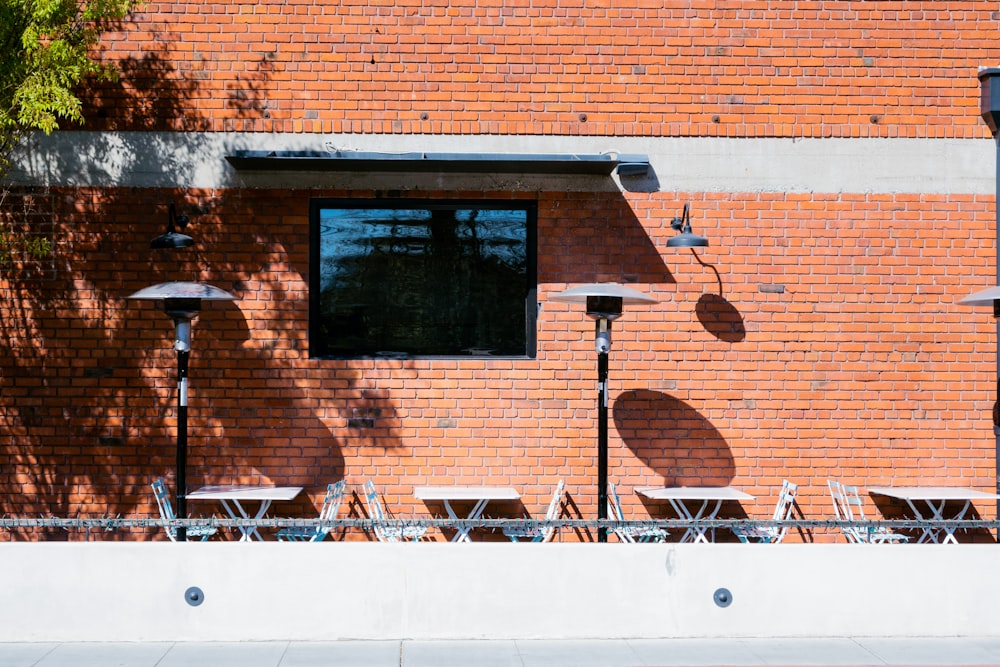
<point>335,590</point>
<point>679,164</point>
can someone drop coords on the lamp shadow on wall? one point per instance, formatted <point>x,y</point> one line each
<point>676,442</point>
<point>719,317</point>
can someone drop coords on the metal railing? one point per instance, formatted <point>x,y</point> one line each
<point>97,527</point>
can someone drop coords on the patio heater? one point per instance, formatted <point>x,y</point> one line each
<point>604,302</point>
<point>989,109</point>
<point>182,302</point>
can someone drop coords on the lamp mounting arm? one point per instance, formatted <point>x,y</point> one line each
<point>683,223</point>
<point>172,218</point>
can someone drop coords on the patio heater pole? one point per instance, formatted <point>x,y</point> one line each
<point>183,346</point>
<point>603,346</point>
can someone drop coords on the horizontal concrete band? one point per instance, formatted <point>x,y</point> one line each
<point>678,164</point>
<point>232,591</point>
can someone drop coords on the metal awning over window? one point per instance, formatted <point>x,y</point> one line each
<point>596,164</point>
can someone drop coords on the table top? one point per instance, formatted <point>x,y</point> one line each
<point>932,493</point>
<point>693,493</point>
<point>465,493</point>
<point>245,493</point>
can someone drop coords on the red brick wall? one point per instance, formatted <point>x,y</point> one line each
<point>666,68</point>
<point>817,337</point>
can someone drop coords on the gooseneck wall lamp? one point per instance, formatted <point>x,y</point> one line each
<point>989,108</point>
<point>604,303</point>
<point>685,237</point>
<point>182,302</point>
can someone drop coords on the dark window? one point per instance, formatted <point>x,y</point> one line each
<point>406,278</point>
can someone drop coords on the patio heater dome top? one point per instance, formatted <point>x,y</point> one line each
<point>182,290</point>
<point>580,293</point>
<point>604,300</point>
<point>182,299</point>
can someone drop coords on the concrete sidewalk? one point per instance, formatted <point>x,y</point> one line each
<point>509,653</point>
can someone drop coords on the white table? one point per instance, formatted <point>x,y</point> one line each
<point>711,498</point>
<point>479,495</point>
<point>934,498</point>
<point>232,497</point>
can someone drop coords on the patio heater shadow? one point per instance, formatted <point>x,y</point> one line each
<point>677,443</point>
<point>672,439</point>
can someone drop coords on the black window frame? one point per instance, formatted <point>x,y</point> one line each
<point>317,347</point>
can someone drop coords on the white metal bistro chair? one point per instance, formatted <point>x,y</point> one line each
<point>543,533</point>
<point>167,514</point>
<point>782,512</point>
<point>377,514</point>
<point>631,534</point>
<point>851,508</point>
<point>841,510</point>
<point>328,512</point>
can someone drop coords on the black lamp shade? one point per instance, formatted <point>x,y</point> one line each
<point>171,240</point>
<point>687,240</point>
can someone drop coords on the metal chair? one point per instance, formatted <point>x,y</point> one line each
<point>782,512</point>
<point>377,514</point>
<point>842,510</point>
<point>328,512</point>
<point>867,535</point>
<point>167,514</point>
<point>543,533</point>
<point>631,534</point>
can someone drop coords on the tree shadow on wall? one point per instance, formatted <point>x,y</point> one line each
<point>148,95</point>
<point>267,421</point>
<point>89,378</point>
<point>151,94</point>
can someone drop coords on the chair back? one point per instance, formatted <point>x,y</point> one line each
<point>842,509</point>
<point>331,503</point>
<point>615,514</point>
<point>163,503</point>
<point>614,504</point>
<point>555,507</point>
<point>375,512</point>
<point>786,503</point>
<point>855,505</point>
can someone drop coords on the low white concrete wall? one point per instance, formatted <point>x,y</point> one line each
<point>274,591</point>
